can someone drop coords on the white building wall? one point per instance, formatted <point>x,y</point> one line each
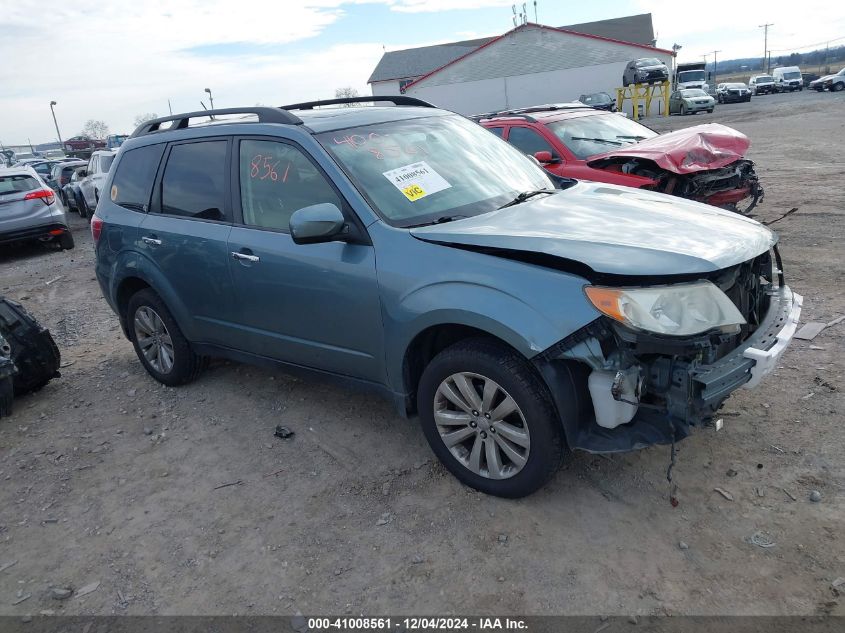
<point>529,67</point>
<point>385,87</point>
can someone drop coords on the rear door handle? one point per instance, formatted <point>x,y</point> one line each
<point>245,257</point>
<point>152,241</point>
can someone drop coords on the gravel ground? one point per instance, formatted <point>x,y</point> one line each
<point>113,485</point>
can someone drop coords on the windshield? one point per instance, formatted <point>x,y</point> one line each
<point>420,170</point>
<point>691,75</point>
<point>735,86</point>
<point>792,75</point>
<point>764,79</point>
<point>648,61</point>
<point>590,135</point>
<point>693,92</point>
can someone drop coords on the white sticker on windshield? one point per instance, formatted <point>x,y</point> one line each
<point>416,181</point>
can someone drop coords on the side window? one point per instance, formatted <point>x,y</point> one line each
<point>105,163</point>
<point>92,165</point>
<point>276,180</point>
<point>496,130</point>
<point>528,141</point>
<point>133,180</point>
<point>194,181</point>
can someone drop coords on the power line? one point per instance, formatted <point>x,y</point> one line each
<point>796,48</point>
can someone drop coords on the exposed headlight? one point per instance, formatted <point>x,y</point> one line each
<point>676,310</point>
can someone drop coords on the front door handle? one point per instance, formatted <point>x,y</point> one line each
<point>152,241</point>
<point>245,257</point>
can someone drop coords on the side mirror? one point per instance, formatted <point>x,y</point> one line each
<point>318,223</point>
<point>546,157</point>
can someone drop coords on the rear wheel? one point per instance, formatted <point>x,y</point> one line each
<point>66,241</point>
<point>489,418</point>
<point>159,343</point>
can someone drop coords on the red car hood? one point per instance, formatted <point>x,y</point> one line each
<point>697,148</point>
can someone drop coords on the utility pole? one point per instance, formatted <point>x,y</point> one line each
<point>769,66</point>
<point>765,28</point>
<point>715,68</point>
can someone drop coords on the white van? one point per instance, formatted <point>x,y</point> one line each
<point>788,78</point>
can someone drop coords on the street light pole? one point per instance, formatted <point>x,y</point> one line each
<point>210,98</point>
<point>765,28</point>
<point>56,123</point>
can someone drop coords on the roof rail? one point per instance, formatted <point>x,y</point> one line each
<point>397,100</point>
<point>505,114</point>
<point>265,115</point>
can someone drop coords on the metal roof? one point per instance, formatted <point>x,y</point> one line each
<point>415,62</point>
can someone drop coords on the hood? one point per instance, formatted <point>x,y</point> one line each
<point>613,230</point>
<point>697,148</point>
<point>825,78</point>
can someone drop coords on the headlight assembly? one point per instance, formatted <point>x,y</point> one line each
<point>674,310</point>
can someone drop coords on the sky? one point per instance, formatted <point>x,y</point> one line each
<point>115,60</point>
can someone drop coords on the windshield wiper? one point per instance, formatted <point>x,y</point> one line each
<point>633,136</point>
<point>441,220</point>
<point>597,140</point>
<point>522,197</point>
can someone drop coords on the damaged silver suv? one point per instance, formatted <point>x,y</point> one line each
<point>407,250</point>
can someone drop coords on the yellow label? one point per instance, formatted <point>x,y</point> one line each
<point>414,192</point>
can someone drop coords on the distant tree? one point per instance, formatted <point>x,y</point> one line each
<point>143,118</point>
<point>349,91</point>
<point>95,129</point>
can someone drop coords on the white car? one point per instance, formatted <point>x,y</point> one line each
<point>95,177</point>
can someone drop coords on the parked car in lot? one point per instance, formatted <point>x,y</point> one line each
<point>761,84</point>
<point>599,101</point>
<point>834,83</point>
<point>60,177</point>
<point>647,70</point>
<point>732,93</point>
<point>808,78</point>
<point>94,177</point>
<point>573,142</point>
<point>83,143</point>
<point>406,250</point>
<point>29,209</point>
<point>787,79</point>
<point>71,195</point>
<point>690,101</point>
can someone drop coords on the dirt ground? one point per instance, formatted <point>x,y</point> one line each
<point>110,478</point>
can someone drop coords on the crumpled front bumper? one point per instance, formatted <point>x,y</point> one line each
<point>757,356</point>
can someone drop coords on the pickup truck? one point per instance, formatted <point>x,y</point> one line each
<point>83,143</point>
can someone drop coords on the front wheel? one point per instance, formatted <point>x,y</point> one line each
<point>489,418</point>
<point>159,343</point>
<point>683,110</point>
<point>838,87</point>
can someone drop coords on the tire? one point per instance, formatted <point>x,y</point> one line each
<point>82,206</point>
<point>184,366</point>
<point>478,362</point>
<point>683,110</point>
<point>710,111</point>
<point>7,394</point>
<point>719,99</point>
<point>837,87</point>
<point>66,241</point>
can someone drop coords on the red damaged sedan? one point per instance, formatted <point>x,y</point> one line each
<point>704,163</point>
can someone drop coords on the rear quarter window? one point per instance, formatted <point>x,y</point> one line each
<point>133,180</point>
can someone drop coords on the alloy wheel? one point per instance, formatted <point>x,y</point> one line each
<point>154,339</point>
<point>482,425</point>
